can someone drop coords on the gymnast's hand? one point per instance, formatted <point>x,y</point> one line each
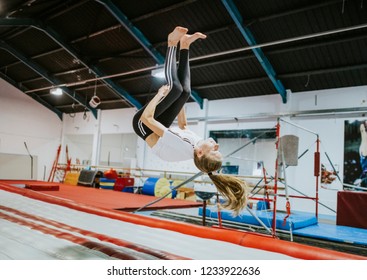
<point>163,91</point>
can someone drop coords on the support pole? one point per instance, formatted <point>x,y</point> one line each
<point>219,213</point>
<point>25,144</point>
<point>260,221</point>
<point>204,212</point>
<point>276,178</point>
<point>317,175</point>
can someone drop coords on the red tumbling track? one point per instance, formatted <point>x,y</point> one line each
<point>245,239</point>
<point>108,199</point>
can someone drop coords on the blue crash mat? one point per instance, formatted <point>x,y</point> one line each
<point>335,233</point>
<point>295,221</point>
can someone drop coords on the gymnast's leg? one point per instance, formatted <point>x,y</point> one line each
<point>183,73</point>
<point>172,81</point>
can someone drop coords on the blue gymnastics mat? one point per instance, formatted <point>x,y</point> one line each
<point>295,221</point>
<point>344,234</point>
<point>303,224</point>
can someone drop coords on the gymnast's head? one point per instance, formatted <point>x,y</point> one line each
<point>207,157</point>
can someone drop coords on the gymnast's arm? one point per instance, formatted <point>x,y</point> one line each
<point>181,119</point>
<point>148,115</point>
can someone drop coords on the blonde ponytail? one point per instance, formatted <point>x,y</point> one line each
<point>231,188</point>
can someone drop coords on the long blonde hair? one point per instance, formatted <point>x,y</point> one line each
<point>230,187</point>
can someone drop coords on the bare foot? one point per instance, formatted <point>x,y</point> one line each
<point>175,36</point>
<point>187,39</point>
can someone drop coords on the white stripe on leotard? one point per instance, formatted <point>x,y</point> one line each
<point>168,71</point>
<point>141,128</point>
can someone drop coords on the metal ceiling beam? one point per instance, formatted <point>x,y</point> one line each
<point>59,40</point>
<point>286,76</point>
<point>33,95</point>
<point>246,33</point>
<point>234,51</point>
<point>213,63</point>
<point>42,72</point>
<point>141,39</point>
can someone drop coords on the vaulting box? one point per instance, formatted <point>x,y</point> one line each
<point>351,209</point>
<point>124,184</point>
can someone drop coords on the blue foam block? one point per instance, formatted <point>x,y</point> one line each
<point>295,221</point>
<point>128,189</point>
<point>105,187</point>
<point>105,180</point>
<point>106,184</point>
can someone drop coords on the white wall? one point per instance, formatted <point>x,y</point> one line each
<point>251,113</point>
<point>24,120</point>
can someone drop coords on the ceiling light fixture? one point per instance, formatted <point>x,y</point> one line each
<point>56,91</point>
<point>158,73</point>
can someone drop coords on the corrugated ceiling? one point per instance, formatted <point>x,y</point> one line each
<point>71,43</point>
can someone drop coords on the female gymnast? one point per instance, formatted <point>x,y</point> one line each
<point>153,124</point>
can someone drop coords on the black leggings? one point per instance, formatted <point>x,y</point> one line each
<point>180,89</point>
